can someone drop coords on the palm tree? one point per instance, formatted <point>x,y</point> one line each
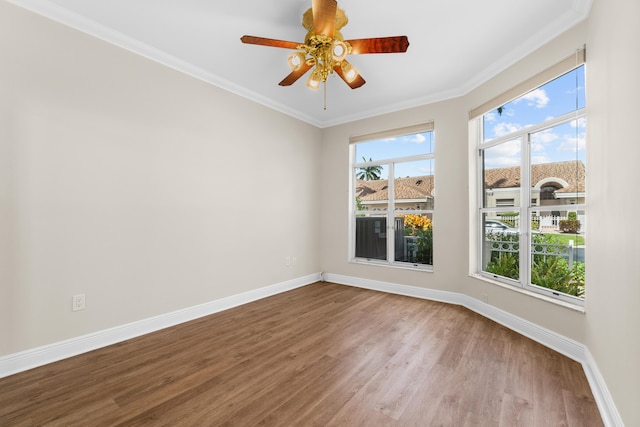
<point>369,173</point>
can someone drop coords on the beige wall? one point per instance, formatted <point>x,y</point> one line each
<point>613,303</point>
<point>609,328</point>
<point>117,175</point>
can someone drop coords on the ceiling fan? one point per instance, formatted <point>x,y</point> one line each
<point>325,50</point>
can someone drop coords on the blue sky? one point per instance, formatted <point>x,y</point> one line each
<point>410,145</point>
<point>562,143</point>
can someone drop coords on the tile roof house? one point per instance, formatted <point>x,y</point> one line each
<point>566,177</point>
<point>410,191</point>
<point>551,182</point>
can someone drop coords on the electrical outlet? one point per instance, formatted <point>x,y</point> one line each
<point>287,261</point>
<point>294,261</point>
<point>78,302</point>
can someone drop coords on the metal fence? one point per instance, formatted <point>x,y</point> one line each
<point>569,252</point>
<point>544,222</point>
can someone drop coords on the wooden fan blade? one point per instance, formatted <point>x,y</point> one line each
<point>295,75</point>
<point>395,44</point>
<point>324,16</point>
<point>355,83</point>
<point>269,42</point>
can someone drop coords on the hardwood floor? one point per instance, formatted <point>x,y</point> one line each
<point>323,354</point>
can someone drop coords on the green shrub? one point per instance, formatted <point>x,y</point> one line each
<point>505,264</point>
<point>424,246</point>
<point>553,273</point>
<point>578,278</point>
<point>569,225</point>
<point>548,271</point>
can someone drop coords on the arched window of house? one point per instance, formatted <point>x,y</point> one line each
<point>548,192</point>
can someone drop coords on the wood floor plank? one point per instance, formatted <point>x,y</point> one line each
<point>338,390</point>
<point>320,355</point>
<point>547,387</point>
<point>516,411</point>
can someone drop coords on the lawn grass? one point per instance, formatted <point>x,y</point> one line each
<point>563,239</point>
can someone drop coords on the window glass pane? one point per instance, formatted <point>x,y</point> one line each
<point>394,148</point>
<point>558,164</point>
<point>371,236</point>
<point>371,202</point>
<point>558,97</point>
<point>372,188</point>
<point>500,246</point>
<point>414,238</point>
<point>413,185</point>
<point>501,174</point>
<point>558,251</point>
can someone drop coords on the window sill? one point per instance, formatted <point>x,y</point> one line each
<point>565,304</point>
<point>397,265</point>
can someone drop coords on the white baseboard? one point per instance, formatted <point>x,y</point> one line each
<point>608,410</point>
<point>28,359</point>
<point>557,342</point>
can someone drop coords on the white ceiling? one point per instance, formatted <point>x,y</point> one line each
<point>455,45</point>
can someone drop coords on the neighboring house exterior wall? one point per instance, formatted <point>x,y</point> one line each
<point>560,183</point>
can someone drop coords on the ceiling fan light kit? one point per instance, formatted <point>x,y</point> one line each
<point>325,50</point>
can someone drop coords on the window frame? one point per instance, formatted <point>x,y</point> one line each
<point>391,211</point>
<point>525,205</point>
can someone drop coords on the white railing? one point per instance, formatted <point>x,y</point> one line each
<point>545,223</point>
<point>494,243</point>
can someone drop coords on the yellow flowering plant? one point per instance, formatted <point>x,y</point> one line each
<point>420,228</point>
<point>414,223</point>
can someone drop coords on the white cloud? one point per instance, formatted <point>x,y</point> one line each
<point>536,160</point>
<point>490,117</point>
<point>418,138</point>
<point>581,123</point>
<point>502,129</point>
<point>511,149</point>
<point>537,147</point>
<point>503,155</point>
<point>572,143</point>
<point>540,142</point>
<point>537,98</point>
<point>544,137</point>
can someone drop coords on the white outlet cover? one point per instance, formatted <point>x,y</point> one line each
<point>78,302</point>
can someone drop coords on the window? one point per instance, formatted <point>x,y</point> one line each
<point>392,198</point>
<point>505,202</point>
<point>533,149</point>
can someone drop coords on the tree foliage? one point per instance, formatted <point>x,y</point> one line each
<point>369,173</point>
